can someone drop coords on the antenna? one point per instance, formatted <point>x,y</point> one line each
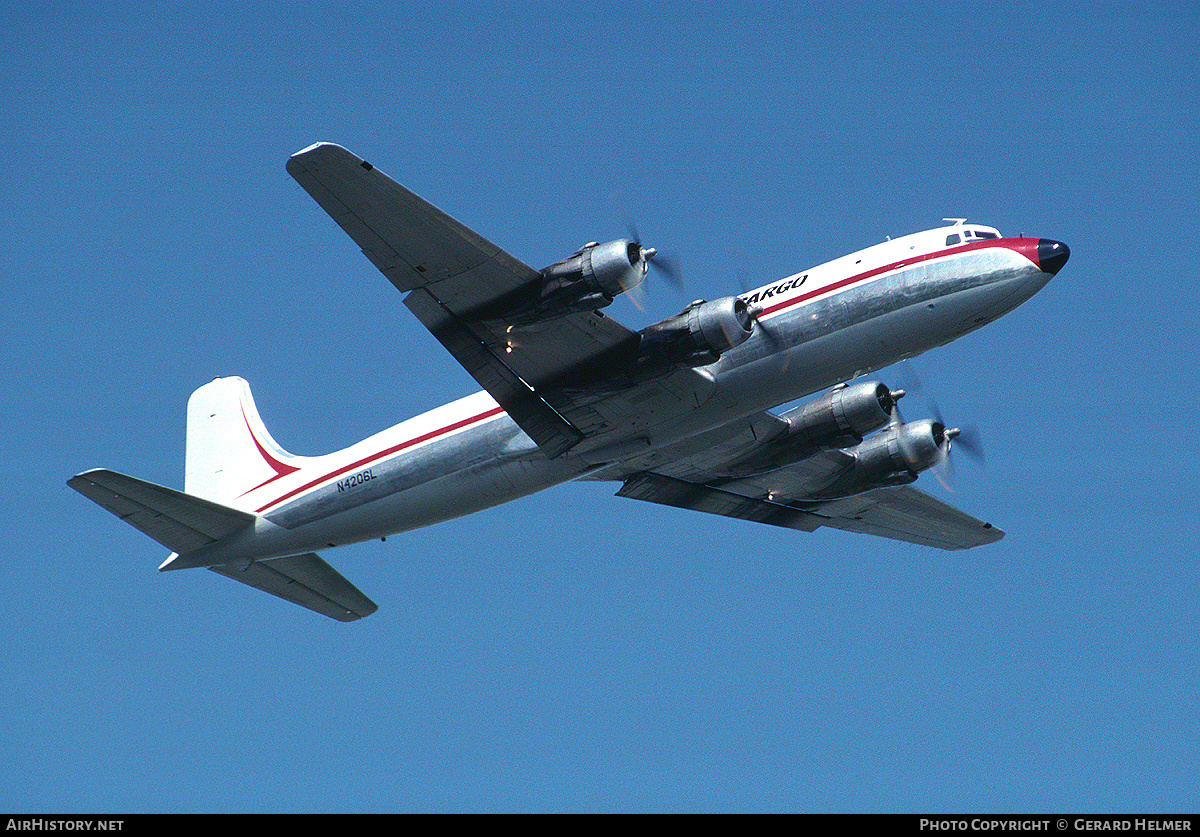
<point>957,221</point>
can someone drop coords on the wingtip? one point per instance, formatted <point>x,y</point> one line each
<point>84,478</point>
<point>323,148</point>
<point>312,157</point>
<point>313,147</point>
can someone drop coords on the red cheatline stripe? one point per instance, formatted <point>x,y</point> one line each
<point>1027,247</point>
<point>375,457</point>
<point>280,469</point>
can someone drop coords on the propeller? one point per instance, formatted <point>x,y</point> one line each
<point>968,439</point>
<point>942,469</point>
<point>664,264</point>
<point>773,339</point>
<point>768,332</point>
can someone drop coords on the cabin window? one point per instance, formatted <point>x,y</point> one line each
<point>952,239</point>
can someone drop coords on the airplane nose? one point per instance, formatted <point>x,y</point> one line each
<point>1052,255</point>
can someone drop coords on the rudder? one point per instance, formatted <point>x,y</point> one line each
<point>229,451</point>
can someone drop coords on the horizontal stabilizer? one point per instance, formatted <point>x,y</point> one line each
<point>305,580</point>
<point>178,521</point>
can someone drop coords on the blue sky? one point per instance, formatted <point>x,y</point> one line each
<point>574,651</point>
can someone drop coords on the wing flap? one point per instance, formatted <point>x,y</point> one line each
<point>669,491</point>
<point>306,580</point>
<point>181,522</point>
<point>552,433</point>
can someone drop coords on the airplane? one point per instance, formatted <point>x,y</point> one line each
<point>678,413</point>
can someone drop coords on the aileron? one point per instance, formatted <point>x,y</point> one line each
<point>907,514</point>
<point>903,513</point>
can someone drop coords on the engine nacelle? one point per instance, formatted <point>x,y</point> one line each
<point>893,457</point>
<point>698,335</point>
<point>586,280</point>
<point>592,276</point>
<point>840,417</point>
<point>848,412</point>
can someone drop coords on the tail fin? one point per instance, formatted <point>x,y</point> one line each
<point>229,451</point>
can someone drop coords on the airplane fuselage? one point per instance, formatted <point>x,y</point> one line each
<point>819,328</point>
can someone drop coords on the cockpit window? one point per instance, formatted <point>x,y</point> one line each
<point>982,234</point>
<point>952,239</point>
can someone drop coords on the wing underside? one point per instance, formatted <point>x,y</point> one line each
<point>897,512</point>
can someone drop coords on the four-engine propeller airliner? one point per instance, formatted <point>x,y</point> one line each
<point>678,413</point>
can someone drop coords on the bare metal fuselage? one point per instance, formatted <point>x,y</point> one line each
<point>822,327</point>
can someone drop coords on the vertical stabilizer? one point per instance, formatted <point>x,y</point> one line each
<point>229,451</point>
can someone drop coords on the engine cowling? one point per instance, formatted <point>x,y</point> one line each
<point>592,276</point>
<point>850,411</point>
<point>894,457</point>
<point>586,280</point>
<point>697,335</point>
<point>840,417</point>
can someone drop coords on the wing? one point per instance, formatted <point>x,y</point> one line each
<point>454,277</point>
<point>413,242</point>
<point>907,514</point>
<point>897,512</point>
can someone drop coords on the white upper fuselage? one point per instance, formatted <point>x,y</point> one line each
<point>819,327</point>
<point>861,265</point>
